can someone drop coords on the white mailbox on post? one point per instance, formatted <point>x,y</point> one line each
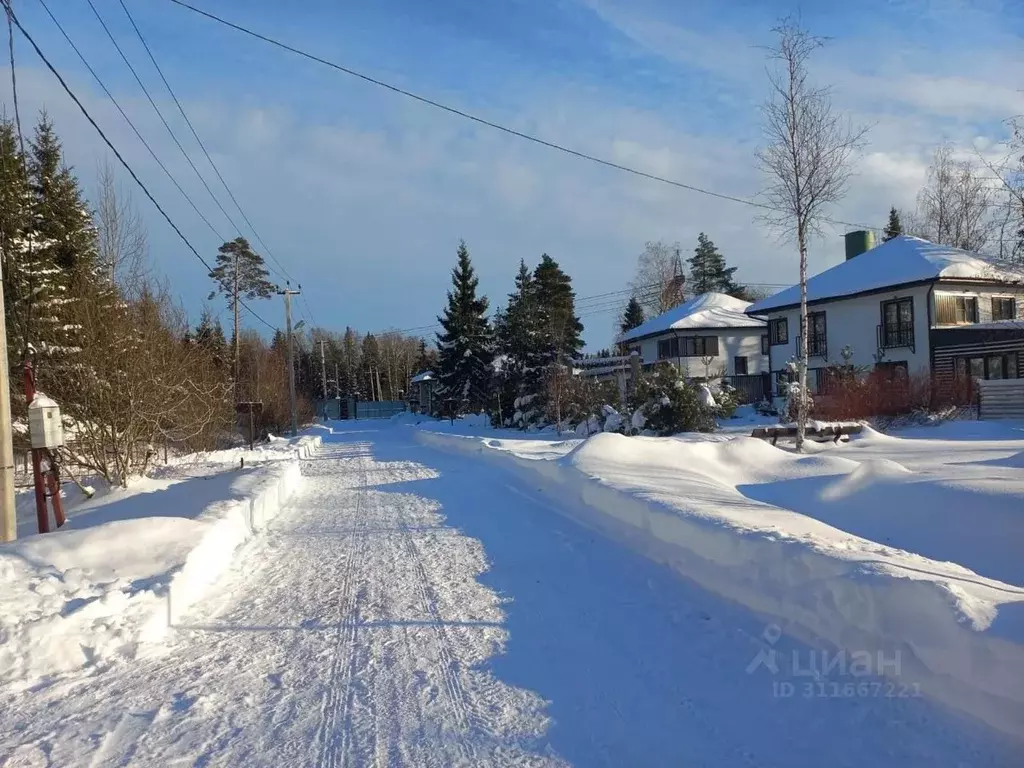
<point>44,423</point>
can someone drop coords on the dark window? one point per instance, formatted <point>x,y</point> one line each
<point>696,346</point>
<point>764,344</point>
<point>740,366</point>
<point>989,367</point>
<point>956,310</point>
<point>996,367</point>
<point>893,371</point>
<point>778,331</point>
<point>816,334</point>
<point>668,348</point>
<point>897,328</point>
<point>1004,309</point>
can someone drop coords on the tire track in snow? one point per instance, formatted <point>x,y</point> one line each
<point>457,698</point>
<point>338,700</point>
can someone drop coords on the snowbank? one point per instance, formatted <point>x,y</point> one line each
<point>957,635</point>
<point>125,567</point>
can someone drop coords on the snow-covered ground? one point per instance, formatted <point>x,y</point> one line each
<point>127,560</point>
<point>903,548</point>
<point>415,605</point>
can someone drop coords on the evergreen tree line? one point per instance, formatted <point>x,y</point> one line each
<point>518,365</point>
<point>366,366</point>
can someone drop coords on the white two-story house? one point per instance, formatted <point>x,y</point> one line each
<point>710,336</point>
<point>907,306</point>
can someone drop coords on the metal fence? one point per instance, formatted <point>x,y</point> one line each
<point>1001,399</point>
<point>753,388</point>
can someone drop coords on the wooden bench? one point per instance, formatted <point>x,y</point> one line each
<point>819,434</point>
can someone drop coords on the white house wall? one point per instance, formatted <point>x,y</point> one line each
<point>854,322</point>
<point>732,343</point>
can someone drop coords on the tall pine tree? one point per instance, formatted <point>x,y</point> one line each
<point>708,271</point>
<point>894,228</point>
<point>633,316</point>
<point>466,344</point>
<point>240,274</point>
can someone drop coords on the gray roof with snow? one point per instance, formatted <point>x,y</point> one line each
<point>709,310</point>
<point>900,261</point>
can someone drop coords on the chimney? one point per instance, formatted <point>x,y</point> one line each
<point>858,242</point>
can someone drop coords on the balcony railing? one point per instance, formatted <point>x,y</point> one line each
<point>896,336</point>
<point>816,345</point>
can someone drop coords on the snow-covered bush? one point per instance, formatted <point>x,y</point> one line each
<point>794,393</point>
<point>726,400</point>
<point>666,404</point>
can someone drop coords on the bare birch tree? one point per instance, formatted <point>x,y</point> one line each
<point>954,207</point>
<point>806,157</point>
<point>659,280</point>
<point>121,233</point>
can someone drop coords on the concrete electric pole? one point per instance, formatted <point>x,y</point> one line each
<point>323,369</point>
<point>9,529</point>
<point>288,293</point>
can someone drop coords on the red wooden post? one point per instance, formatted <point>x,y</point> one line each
<point>53,479</point>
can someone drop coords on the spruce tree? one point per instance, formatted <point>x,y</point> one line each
<point>15,203</point>
<point>633,316</point>
<point>558,338</point>
<point>240,274</point>
<point>56,271</point>
<point>516,331</point>
<point>369,368</point>
<point>466,344</point>
<point>425,359</point>
<point>349,362</point>
<point>894,228</point>
<point>708,271</point>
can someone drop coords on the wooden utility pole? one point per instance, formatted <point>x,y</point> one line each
<point>288,293</point>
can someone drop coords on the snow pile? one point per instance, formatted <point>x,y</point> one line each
<point>737,516</point>
<point>126,566</point>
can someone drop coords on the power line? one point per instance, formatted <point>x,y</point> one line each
<point>117,154</point>
<point>488,123</point>
<point>160,114</point>
<point>127,119</point>
<point>202,146</point>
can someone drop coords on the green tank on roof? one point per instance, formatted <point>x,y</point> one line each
<point>858,242</point>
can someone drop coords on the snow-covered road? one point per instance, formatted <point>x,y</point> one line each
<point>416,608</point>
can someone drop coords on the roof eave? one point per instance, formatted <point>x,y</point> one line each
<point>858,294</point>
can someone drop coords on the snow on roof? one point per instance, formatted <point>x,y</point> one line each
<point>902,260</point>
<point>709,310</point>
<point>42,401</point>
<point>425,376</point>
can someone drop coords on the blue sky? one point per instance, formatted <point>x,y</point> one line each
<point>363,194</point>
